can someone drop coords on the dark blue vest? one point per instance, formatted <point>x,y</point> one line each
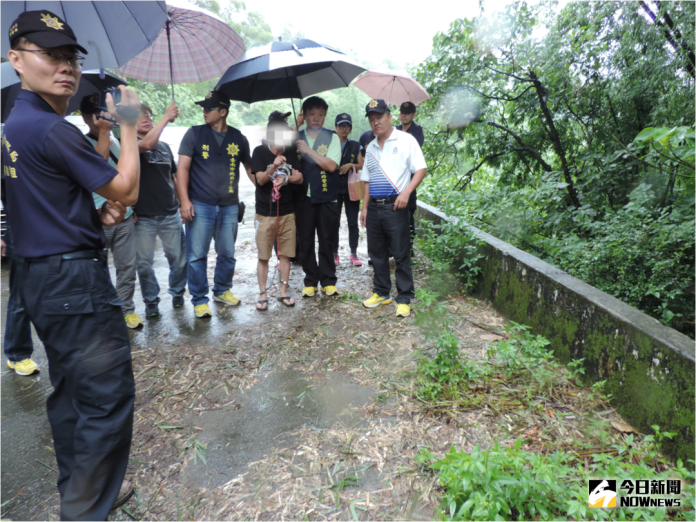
<point>324,187</point>
<point>214,172</point>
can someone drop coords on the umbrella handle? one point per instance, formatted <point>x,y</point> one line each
<point>171,70</point>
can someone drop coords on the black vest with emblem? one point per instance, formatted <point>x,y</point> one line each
<point>324,186</point>
<point>214,172</point>
<point>349,155</point>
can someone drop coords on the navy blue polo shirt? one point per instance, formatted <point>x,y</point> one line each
<point>50,172</point>
<point>414,130</point>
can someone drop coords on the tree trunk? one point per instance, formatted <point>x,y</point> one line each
<point>542,95</point>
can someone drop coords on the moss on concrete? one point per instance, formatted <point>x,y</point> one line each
<point>644,391</point>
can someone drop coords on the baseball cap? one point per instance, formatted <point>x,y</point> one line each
<point>215,100</point>
<point>278,116</point>
<point>376,106</point>
<point>408,107</point>
<point>89,104</point>
<point>44,29</point>
<point>344,118</point>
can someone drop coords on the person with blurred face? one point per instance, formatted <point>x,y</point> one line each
<point>406,117</point>
<point>120,239</point>
<point>158,212</point>
<point>350,159</point>
<point>275,218</point>
<point>208,182</point>
<point>394,167</point>
<point>318,214</point>
<point>50,172</point>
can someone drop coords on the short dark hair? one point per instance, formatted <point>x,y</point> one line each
<point>145,109</point>
<point>314,102</point>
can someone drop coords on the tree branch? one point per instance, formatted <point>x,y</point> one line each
<point>508,74</point>
<point>670,38</point>
<point>647,163</point>
<point>526,147</point>
<point>542,95</point>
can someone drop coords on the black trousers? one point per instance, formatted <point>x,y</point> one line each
<point>77,316</point>
<point>388,232</point>
<point>320,219</point>
<point>352,211</point>
<point>412,206</point>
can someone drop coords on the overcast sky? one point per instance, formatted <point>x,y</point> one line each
<point>376,30</point>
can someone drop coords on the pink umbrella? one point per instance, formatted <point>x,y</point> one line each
<point>195,45</point>
<point>394,87</point>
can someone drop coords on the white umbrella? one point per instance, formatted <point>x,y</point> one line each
<point>394,87</point>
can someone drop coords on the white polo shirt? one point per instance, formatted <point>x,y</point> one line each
<point>389,170</point>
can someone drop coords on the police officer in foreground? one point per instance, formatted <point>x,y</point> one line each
<point>50,173</point>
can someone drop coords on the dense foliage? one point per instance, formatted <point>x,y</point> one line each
<point>570,134</point>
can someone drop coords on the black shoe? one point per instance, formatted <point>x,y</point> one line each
<point>178,301</point>
<point>151,310</point>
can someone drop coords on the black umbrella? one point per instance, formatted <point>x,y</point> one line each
<point>293,69</point>
<point>90,83</point>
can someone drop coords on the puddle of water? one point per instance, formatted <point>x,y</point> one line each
<point>282,403</point>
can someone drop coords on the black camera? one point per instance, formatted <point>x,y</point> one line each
<point>128,113</point>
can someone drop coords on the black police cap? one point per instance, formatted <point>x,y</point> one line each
<point>344,118</point>
<point>215,100</point>
<point>379,106</point>
<point>44,29</point>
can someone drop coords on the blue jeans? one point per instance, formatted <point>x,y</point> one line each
<point>18,344</point>
<point>171,233</point>
<point>210,222</point>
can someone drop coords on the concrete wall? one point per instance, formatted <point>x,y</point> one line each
<point>649,367</point>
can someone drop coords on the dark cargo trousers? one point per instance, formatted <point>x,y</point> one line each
<point>321,219</point>
<point>388,232</point>
<point>77,315</point>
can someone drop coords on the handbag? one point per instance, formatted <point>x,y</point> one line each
<point>355,185</point>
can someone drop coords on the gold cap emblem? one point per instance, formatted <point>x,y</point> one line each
<point>51,22</point>
<point>373,104</point>
<point>209,95</point>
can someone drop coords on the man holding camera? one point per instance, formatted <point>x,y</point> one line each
<point>208,183</point>
<point>394,167</point>
<point>50,172</point>
<point>320,152</point>
<point>120,239</point>
<point>274,167</point>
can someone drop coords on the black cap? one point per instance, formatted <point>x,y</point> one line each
<point>44,29</point>
<point>408,108</point>
<point>89,104</point>
<point>376,106</point>
<point>215,100</point>
<point>344,118</point>
<point>277,116</point>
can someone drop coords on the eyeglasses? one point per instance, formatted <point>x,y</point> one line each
<point>215,109</point>
<point>344,126</point>
<point>56,58</point>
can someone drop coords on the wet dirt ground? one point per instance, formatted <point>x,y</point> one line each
<point>300,412</point>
